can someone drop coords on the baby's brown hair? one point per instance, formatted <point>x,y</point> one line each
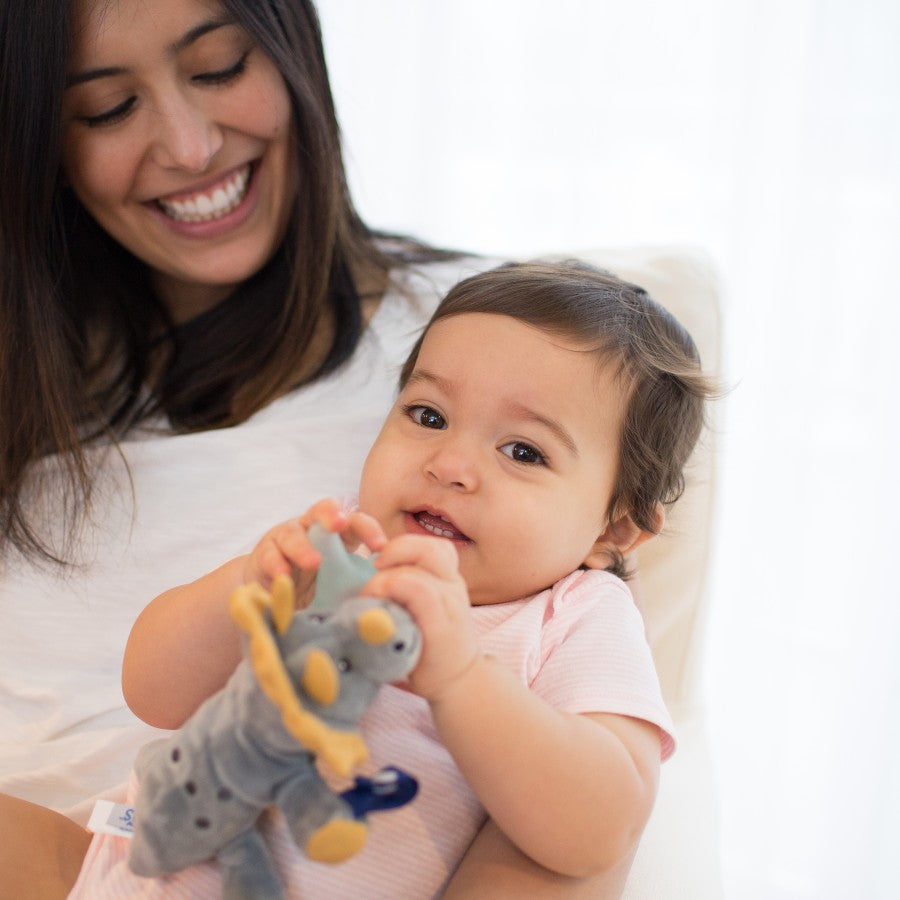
<point>654,357</point>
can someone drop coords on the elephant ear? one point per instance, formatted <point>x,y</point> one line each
<point>342,750</point>
<point>375,626</point>
<point>321,680</point>
<point>341,574</point>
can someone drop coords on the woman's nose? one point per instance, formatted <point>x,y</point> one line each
<point>187,137</point>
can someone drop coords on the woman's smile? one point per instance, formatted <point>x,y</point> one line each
<point>213,212</point>
<point>209,203</point>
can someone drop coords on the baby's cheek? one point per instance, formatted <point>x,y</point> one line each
<point>377,496</point>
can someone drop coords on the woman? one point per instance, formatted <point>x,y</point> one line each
<point>197,334</point>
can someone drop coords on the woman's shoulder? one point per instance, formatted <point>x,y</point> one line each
<point>413,292</point>
<point>421,285</point>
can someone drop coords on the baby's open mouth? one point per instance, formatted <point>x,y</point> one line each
<point>211,204</point>
<point>440,526</point>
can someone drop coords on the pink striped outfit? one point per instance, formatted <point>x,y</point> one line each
<point>579,645</point>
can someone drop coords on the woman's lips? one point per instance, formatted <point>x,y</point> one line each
<point>231,201</point>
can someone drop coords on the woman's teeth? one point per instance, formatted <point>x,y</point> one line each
<point>209,205</point>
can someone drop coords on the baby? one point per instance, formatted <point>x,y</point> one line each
<point>543,423</point>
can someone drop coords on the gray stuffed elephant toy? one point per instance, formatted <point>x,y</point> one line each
<point>305,682</point>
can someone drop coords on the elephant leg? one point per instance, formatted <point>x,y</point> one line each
<point>248,870</point>
<point>321,822</point>
<point>147,754</point>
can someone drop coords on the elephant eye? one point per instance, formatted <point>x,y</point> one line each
<point>400,646</point>
<point>343,664</point>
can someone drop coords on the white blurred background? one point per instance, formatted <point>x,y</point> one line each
<point>768,133</point>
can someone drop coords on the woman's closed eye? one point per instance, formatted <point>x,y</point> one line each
<point>521,452</point>
<point>123,109</point>
<point>223,76</point>
<point>111,116</point>
<point>426,416</point>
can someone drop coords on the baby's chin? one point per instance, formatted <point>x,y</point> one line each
<point>482,592</point>
<point>489,590</point>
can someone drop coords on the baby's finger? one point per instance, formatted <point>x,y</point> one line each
<point>328,513</point>
<point>409,585</point>
<point>434,554</point>
<point>267,562</point>
<point>428,599</point>
<point>364,529</point>
<point>292,536</point>
<point>293,542</point>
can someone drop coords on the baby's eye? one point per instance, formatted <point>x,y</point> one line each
<point>426,417</point>
<point>524,453</point>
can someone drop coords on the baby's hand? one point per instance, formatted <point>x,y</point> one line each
<point>422,574</point>
<point>287,550</point>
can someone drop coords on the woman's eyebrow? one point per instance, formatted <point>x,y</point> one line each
<point>198,31</point>
<point>91,74</point>
<point>188,38</point>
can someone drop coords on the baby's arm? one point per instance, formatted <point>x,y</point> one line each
<point>182,648</point>
<point>493,868</point>
<point>184,645</point>
<point>572,792</point>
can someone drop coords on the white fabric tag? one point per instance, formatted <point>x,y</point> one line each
<point>112,818</point>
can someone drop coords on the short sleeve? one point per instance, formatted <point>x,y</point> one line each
<point>595,656</point>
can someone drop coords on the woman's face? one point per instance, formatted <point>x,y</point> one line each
<point>177,138</point>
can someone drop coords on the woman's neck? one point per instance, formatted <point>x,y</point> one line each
<point>371,283</point>
<point>186,300</point>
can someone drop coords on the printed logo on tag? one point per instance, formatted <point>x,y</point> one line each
<point>112,818</point>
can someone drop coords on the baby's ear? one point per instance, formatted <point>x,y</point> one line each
<point>620,537</point>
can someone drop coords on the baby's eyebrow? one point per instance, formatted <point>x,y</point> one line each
<point>423,375</point>
<point>526,413</point>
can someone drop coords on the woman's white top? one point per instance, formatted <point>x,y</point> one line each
<point>181,506</point>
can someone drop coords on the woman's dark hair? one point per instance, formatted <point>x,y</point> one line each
<point>86,348</point>
<point>654,357</point>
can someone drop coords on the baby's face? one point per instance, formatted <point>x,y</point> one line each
<point>506,441</point>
